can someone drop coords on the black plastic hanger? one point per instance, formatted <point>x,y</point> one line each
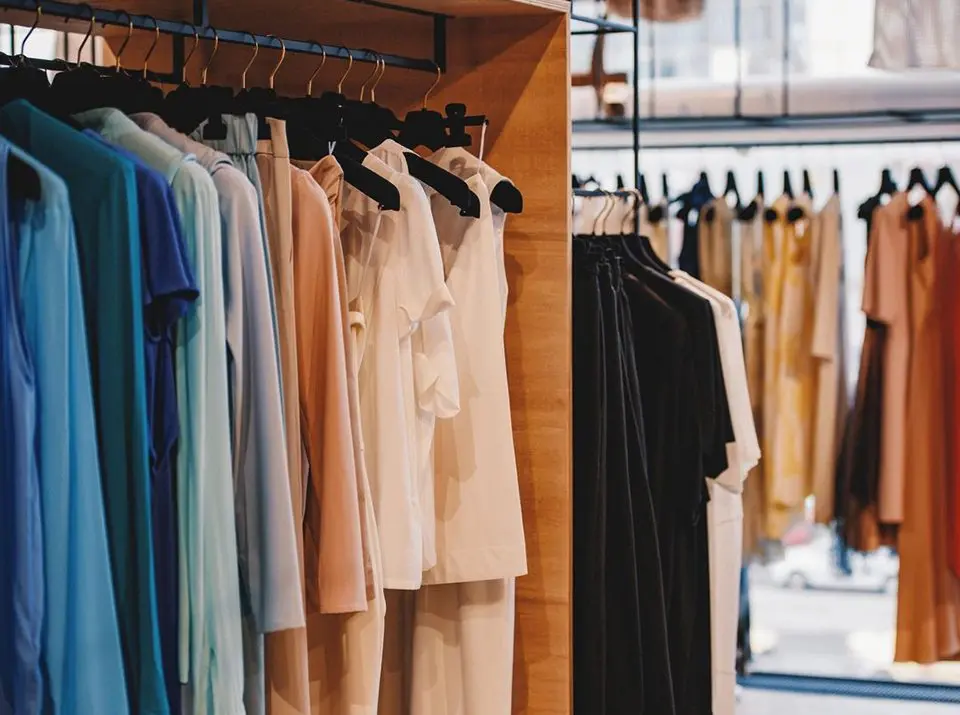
<point>507,197</point>
<point>888,187</point>
<point>749,212</point>
<point>448,185</point>
<point>186,107</point>
<point>261,101</point>
<point>20,80</point>
<point>314,127</point>
<point>81,87</point>
<point>729,187</point>
<point>787,185</point>
<point>368,122</point>
<point>916,179</point>
<point>644,194</point>
<point>945,178</point>
<point>794,213</point>
<point>131,92</point>
<point>659,212</point>
<point>703,182</point>
<point>456,124</point>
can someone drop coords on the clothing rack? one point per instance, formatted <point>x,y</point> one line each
<point>201,29</point>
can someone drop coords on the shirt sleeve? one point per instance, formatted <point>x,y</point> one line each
<point>422,290</point>
<point>169,285</point>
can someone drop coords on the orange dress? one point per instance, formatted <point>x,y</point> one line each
<point>951,318</point>
<point>928,628</point>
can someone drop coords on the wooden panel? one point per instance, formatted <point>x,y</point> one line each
<point>516,71</point>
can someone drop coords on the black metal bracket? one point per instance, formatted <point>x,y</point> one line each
<point>601,26</point>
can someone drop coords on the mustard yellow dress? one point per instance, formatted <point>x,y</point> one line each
<point>789,367</point>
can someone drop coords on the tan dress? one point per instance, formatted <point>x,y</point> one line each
<point>752,306</point>
<point>715,246</point>
<point>929,595</point>
<point>827,348</point>
<point>884,300</point>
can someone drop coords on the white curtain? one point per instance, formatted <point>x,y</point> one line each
<point>916,34</point>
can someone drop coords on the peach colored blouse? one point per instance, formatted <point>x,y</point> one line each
<point>333,553</point>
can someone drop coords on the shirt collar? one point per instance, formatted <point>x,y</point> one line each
<point>118,128</point>
<point>208,157</point>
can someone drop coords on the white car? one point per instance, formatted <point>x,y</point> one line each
<point>813,564</point>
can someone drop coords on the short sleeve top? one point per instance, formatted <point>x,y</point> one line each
<point>479,521</point>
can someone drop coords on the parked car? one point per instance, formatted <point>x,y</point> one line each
<point>812,563</point>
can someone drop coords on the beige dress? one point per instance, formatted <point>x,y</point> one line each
<point>928,608</point>
<point>752,307</point>
<point>715,246</point>
<point>831,399</point>
<point>346,650</point>
<point>463,629</point>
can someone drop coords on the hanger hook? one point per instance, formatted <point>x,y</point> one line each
<point>283,55</point>
<point>637,201</point>
<point>432,86</point>
<point>90,30</point>
<point>256,51</point>
<point>126,40</point>
<point>156,39</point>
<point>216,46</point>
<point>376,70</point>
<point>323,52</point>
<point>36,21</point>
<point>196,42</point>
<point>349,67</point>
<point>599,217</point>
<point>383,70</point>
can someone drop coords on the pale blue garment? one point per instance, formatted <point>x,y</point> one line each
<point>102,190</point>
<point>21,542</point>
<point>240,145</point>
<point>210,622</point>
<point>266,525</point>
<point>81,641</point>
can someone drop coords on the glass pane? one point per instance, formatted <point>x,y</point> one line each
<point>819,65</point>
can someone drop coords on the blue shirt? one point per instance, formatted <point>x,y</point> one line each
<point>82,658</point>
<point>211,646</point>
<point>103,197</point>
<point>21,555</point>
<point>168,291</point>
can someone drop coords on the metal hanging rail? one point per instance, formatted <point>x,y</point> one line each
<point>201,28</point>
<point>602,26</point>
